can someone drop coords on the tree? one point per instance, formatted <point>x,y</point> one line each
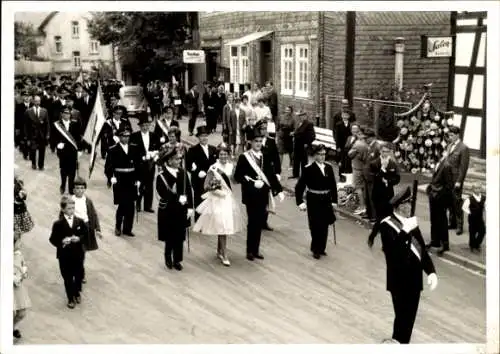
<point>25,40</point>
<point>149,44</point>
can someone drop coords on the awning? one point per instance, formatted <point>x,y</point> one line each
<point>248,38</point>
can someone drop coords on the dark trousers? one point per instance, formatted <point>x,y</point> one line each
<point>345,163</point>
<point>477,231</point>
<point>71,268</point>
<point>192,121</point>
<point>41,156</point>
<point>455,209</point>
<point>256,217</point>
<point>369,203</point>
<point>125,215</point>
<point>24,149</point>
<point>299,160</point>
<point>405,305</point>
<point>174,249</point>
<point>104,147</point>
<point>83,262</point>
<point>147,181</point>
<point>439,223</point>
<point>211,119</point>
<point>68,174</point>
<point>319,237</point>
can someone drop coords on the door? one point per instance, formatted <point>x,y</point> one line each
<point>266,62</point>
<point>212,59</point>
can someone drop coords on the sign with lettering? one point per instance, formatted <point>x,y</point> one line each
<point>437,47</point>
<point>193,56</point>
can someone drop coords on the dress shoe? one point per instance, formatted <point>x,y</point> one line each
<point>430,245</point>
<point>129,234</point>
<point>71,304</point>
<point>226,262</point>
<point>149,211</point>
<point>178,266</point>
<point>41,168</point>
<point>138,209</point>
<point>250,257</point>
<point>268,228</point>
<point>459,232</point>
<point>17,334</point>
<point>168,264</point>
<point>259,256</point>
<point>442,251</point>
<point>452,227</point>
<point>33,167</point>
<point>118,232</point>
<point>323,253</point>
<point>316,255</point>
<point>78,299</point>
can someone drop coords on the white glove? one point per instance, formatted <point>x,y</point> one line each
<point>281,196</point>
<point>183,199</point>
<point>278,177</point>
<point>162,139</point>
<point>193,167</point>
<point>80,154</point>
<point>138,183</point>
<point>190,213</point>
<point>303,206</point>
<point>60,146</point>
<point>432,281</point>
<point>202,174</point>
<point>116,139</point>
<point>258,184</point>
<point>113,180</point>
<point>334,205</point>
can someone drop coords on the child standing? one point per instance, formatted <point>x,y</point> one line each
<point>474,207</point>
<point>67,235</point>
<point>21,298</point>
<point>85,210</point>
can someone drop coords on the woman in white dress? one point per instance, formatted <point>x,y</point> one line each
<point>22,300</point>
<point>220,212</point>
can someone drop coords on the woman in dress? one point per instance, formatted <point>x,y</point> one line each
<point>23,222</point>
<point>21,298</point>
<point>220,213</point>
<point>285,134</point>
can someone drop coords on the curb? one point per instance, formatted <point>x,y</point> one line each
<point>450,256</point>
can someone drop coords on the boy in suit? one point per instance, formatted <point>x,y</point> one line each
<point>474,207</point>
<point>67,235</point>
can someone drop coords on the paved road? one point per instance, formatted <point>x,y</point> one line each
<point>289,297</point>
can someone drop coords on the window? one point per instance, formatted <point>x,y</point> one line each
<point>94,47</point>
<point>287,69</point>
<point>244,64</point>
<point>76,59</point>
<point>75,29</point>
<point>302,71</point>
<point>58,44</point>
<point>234,65</point>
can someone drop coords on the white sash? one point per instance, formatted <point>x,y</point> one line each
<point>162,127</point>
<point>262,176</point>
<point>62,129</point>
<point>398,230</point>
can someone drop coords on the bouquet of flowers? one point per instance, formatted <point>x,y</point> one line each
<point>214,185</point>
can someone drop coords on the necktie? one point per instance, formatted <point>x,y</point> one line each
<point>37,112</point>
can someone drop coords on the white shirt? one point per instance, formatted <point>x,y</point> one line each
<point>173,171</point>
<point>321,167</point>
<point>453,146</point>
<point>466,205</point>
<point>87,100</point>
<point>263,113</point>
<point>69,219</point>
<point>78,94</point>
<point>66,123</point>
<point>36,110</point>
<point>168,122</point>
<point>257,154</point>
<point>227,168</point>
<point>116,123</point>
<point>205,149</point>
<point>264,141</point>
<point>124,147</point>
<point>145,140</point>
<point>81,208</point>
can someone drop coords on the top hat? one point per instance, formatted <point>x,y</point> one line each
<point>401,197</point>
<point>202,130</point>
<point>254,134</point>
<point>318,148</point>
<point>144,118</point>
<point>124,130</point>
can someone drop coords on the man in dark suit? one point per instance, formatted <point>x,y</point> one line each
<point>20,138</point>
<point>68,136</point>
<point>226,112</point>
<point>109,132</point>
<point>342,132</point>
<point>440,192</point>
<point>235,123</point>
<point>255,173</point>
<point>199,158</point>
<point>221,102</point>
<point>122,171</point>
<point>192,107</point>
<point>85,106</point>
<point>345,113</point>
<point>302,138</point>
<point>406,258</point>
<point>270,150</point>
<point>147,145</point>
<point>164,123</point>
<point>58,104</point>
<point>211,110</point>
<point>37,132</point>
<point>272,100</point>
<point>458,157</point>
<point>319,179</point>
<point>110,107</point>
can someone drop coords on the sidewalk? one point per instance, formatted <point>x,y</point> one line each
<point>459,250</point>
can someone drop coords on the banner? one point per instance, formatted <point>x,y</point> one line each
<point>94,126</point>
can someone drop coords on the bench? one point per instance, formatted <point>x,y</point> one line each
<point>325,137</point>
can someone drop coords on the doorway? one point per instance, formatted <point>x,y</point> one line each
<point>266,61</point>
<point>212,63</point>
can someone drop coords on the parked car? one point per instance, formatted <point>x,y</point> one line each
<point>133,99</point>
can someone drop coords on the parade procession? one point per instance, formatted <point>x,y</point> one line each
<point>160,203</point>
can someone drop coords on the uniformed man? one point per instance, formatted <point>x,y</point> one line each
<point>318,180</point>
<point>175,206</point>
<point>109,132</point>
<point>302,139</point>
<point>406,258</point>
<point>148,147</point>
<point>122,171</point>
<point>164,123</point>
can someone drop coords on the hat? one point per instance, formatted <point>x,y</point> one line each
<point>124,129</point>
<point>300,113</point>
<point>401,197</point>
<point>119,108</point>
<point>317,148</point>
<point>254,134</point>
<point>144,118</point>
<point>260,124</point>
<point>369,132</point>
<point>166,108</point>
<point>65,109</point>
<point>166,153</point>
<point>202,130</point>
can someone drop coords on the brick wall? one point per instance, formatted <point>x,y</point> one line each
<point>288,27</point>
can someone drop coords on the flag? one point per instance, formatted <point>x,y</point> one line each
<point>94,127</point>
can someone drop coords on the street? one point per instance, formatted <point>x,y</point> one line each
<point>131,298</point>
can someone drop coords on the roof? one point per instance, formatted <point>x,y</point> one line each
<point>46,21</point>
<point>32,18</point>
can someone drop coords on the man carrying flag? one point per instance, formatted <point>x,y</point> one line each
<point>68,143</point>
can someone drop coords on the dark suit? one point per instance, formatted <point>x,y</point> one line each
<point>172,215</point>
<point>70,256</point>
<point>270,149</point>
<point>440,192</point>
<point>19,137</point>
<point>160,133</point>
<point>404,273</point>
<point>321,193</point>
<point>211,111</point>
<point>226,111</point>
<point>272,102</point>
<point>109,131</point>
<point>37,133</point>
<point>342,132</point>
<point>459,162</point>
<point>255,200</point>
<point>235,124</point>
<point>54,116</point>
<point>68,155</point>
<point>203,162</point>
<point>338,118</point>
<point>303,137</point>
<point>85,109</point>
<point>125,168</point>
<point>147,168</point>
<point>192,108</point>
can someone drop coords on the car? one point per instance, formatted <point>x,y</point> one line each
<point>133,99</point>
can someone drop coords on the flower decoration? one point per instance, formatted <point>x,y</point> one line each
<point>450,121</point>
